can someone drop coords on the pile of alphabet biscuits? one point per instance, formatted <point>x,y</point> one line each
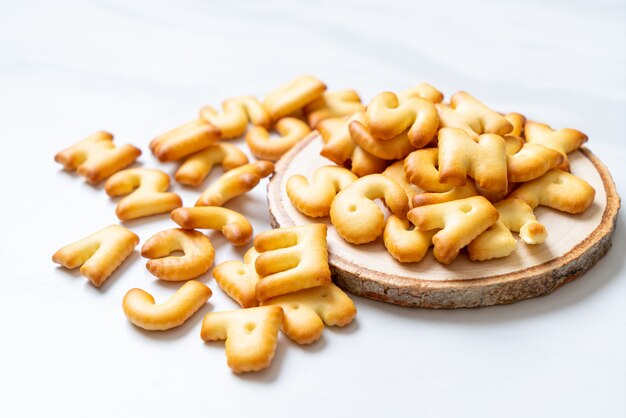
<point>455,176</point>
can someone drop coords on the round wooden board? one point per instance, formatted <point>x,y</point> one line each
<point>575,243</point>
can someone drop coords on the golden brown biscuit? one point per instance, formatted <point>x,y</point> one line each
<point>422,91</point>
<point>141,310</point>
<point>405,244</point>
<point>146,193</point>
<point>232,121</point>
<point>421,169</point>
<point>336,104</point>
<point>394,148</point>
<point>517,121</point>
<point>459,221</point>
<point>197,259</point>
<point>293,96</point>
<point>291,131</point>
<point>559,190</point>
<point>96,158</point>
<point>484,160</point>
<point>396,172</point>
<point>467,113</point>
<point>496,242</point>
<point>517,216</point>
<point>99,254</point>
<point>291,259</point>
<point>532,161</point>
<point>197,166</point>
<point>356,217</point>
<point>251,335</point>
<point>340,148</point>
<point>388,117</point>
<point>564,140</point>
<point>305,312</point>
<point>239,279</point>
<point>184,140</point>
<point>235,182</point>
<point>315,199</point>
<point>235,227</point>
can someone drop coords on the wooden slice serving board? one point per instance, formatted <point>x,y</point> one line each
<point>575,243</point>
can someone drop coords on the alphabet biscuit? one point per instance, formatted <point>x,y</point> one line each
<point>467,113</point>
<point>99,254</point>
<point>239,279</point>
<point>305,312</point>
<point>405,244</point>
<point>532,161</point>
<point>197,166</point>
<point>388,117</point>
<point>235,227</point>
<point>96,158</point>
<point>484,160</point>
<point>146,193</point>
<point>184,140</point>
<point>141,310</point>
<point>336,104</point>
<point>563,140</point>
<point>559,190</point>
<point>395,148</point>
<point>197,259</point>
<point>293,96</point>
<point>251,335</point>
<point>356,218</point>
<point>459,221</point>
<point>232,122</point>
<point>422,91</point>
<point>396,172</point>
<point>314,199</point>
<point>291,131</point>
<point>235,182</point>
<point>496,242</point>
<point>291,259</point>
<point>517,216</point>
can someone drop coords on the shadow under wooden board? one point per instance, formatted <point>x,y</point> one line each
<point>574,244</point>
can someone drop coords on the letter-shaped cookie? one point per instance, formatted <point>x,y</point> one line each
<point>517,216</point>
<point>141,310</point>
<point>404,244</point>
<point>460,222</point>
<point>484,161</point>
<point>291,131</point>
<point>146,193</point>
<point>291,259</point>
<point>96,158</point>
<point>517,121</point>
<point>340,148</point>
<point>235,182</point>
<point>336,104</point>
<point>496,242</point>
<point>315,199</point>
<point>98,254</point>
<point>238,279</point>
<point>532,161</point>
<point>293,96</point>
<point>305,312</point>
<point>235,227</point>
<point>564,140</point>
<point>467,113</point>
<point>458,192</point>
<point>422,91</point>
<point>233,120</point>
<point>395,148</point>
<point>251,335</point>
<point>396,172</point>
<point>387,117</point>
<point>420,168</point>
<point>197,259</point>
<point>184,140</point>
<point>197,166</point>
<point>356,217</point>
<point>559,190</point>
